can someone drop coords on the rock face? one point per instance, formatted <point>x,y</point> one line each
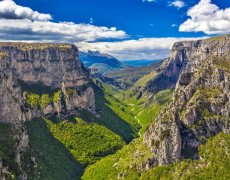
<point>39,80</point>
<point>200,107</point>
<point>47,68</point>
<point>11,95</point>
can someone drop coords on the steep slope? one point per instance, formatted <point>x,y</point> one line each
<point>37,80</point>
<point>189,138</point>
<point>200,106</point>
<point>213,163</point>
<point>130,161</point>
<point>100,61</point>
<point>42,69</point>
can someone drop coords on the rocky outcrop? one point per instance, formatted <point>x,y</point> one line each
<point>39,80</point>
<point>45,64</point>
<point>42,69</point>
<point>11,95</point>
<point>201,103</point>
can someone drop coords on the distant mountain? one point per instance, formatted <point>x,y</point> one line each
<point>139,63</point>
<point>100,61</point>
<point>132,74</point>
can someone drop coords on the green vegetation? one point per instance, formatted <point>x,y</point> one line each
<point>33,100</point>
<point>123,164</point>
<point>90,138</point>
<point>57,96</point>
<point>45,100</point>
<point>217,38</point>
<point>210,92</point>
<point>7,148</point>
<point>63,148</point>
<point>38,101</point>
<point>87,142</point>
<point>51,160</point>
<point>129,76</point>
<point>214,163</point>
<point>143,81</point>
<point>201,101</point>
<point>150,111</point>
<point>135,92</point>
<point>223,63</point>
<point>54,162</point>
<point>126,162</point>
<point>114,113</point>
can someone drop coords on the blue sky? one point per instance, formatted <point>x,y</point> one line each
<point>127,29</point>
<point>137,18</point>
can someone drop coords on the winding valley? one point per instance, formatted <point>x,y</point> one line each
<point>59,122</point>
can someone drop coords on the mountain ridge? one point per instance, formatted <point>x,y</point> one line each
<point>100,61</point>
<point>200,101</point>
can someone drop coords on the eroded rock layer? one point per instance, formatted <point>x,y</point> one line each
<point>201,103</point>
<point>42,69</point>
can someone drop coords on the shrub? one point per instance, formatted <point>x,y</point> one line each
<point>32,99</point>
<point>45,100</point>
<point>57,96</point>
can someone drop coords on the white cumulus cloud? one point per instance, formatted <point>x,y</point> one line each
<point>22,23</point>
<point>178,4</point>
<point>10,10</point>
<point>208,18</point>
<point>50,31</point>
<point>141,49</point>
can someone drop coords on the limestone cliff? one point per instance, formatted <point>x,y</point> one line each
<point>39,80</point>
<point>201,103</point>
<point>47,67</point>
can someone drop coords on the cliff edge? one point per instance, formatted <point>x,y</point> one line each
<point>37,80</point>
<point>201,103</point>
<point>42,79</point>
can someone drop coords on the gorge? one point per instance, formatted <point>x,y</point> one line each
<point>53,113</point>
